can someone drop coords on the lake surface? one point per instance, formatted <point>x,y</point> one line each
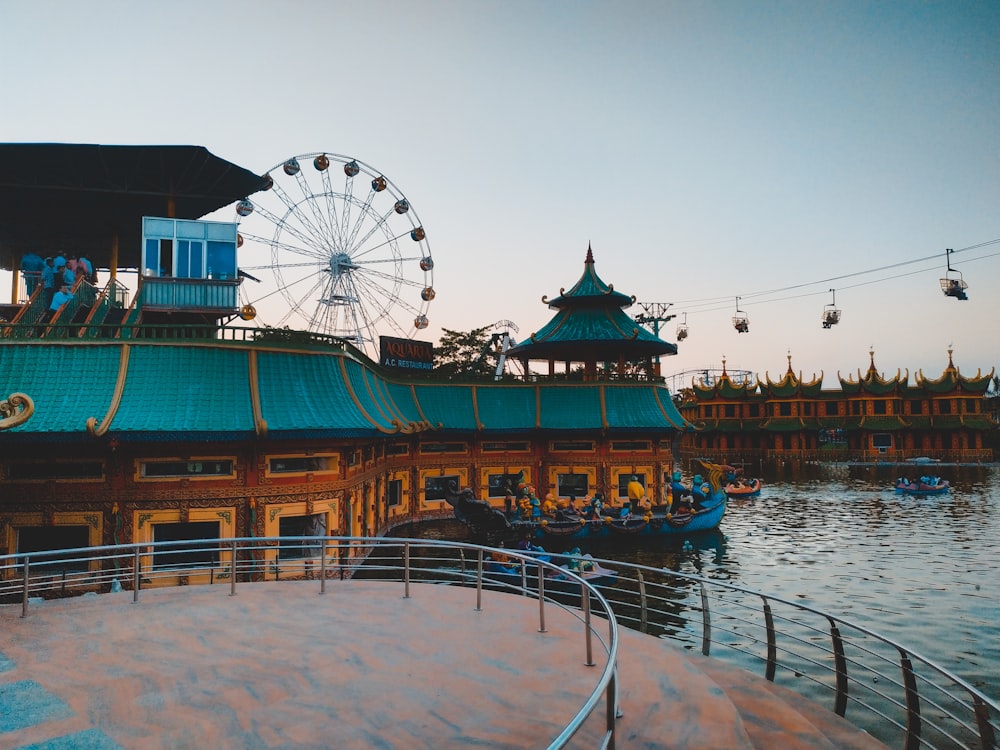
<point>924,571</point>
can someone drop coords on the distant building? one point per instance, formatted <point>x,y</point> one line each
<point>870,418</point>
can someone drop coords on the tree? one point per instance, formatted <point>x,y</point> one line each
<point>465,354</point>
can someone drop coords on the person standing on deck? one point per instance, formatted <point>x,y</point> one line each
<point>32,266</point>
<point>48,282</point>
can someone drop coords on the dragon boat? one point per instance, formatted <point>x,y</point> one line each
<point>490,523</point>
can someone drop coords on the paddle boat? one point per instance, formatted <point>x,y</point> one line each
<point>925,485</point>
<point>744,487</point>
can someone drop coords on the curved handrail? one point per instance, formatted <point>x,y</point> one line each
<point>977,715</point>
<point>105,567</point>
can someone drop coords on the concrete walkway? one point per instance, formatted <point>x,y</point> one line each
<point>281,666</point>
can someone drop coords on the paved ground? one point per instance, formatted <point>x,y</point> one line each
<point>281,666</point>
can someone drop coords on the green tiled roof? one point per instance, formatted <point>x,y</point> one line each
<point>69,384</point>
<point>188,389</point>
<point>571,407</point>
<point>882,423</point>
<point>306,392</point>
<point>448,405</point>
<point>175,390</point>
<point>507,407</point>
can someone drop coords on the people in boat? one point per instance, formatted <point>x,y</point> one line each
<point>549,506</point>
<point>596,507</point>
<point>626,511</point>
<point>700,491</point>
<point>677,492</point>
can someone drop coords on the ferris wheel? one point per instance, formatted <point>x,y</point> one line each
<point>340,246</point>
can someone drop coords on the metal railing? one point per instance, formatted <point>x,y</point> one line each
<point>895,694</point>
<point>28,577</point>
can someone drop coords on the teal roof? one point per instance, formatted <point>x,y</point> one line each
<point>185,389</point>
<point>591,326</point>
<point>572,407</point>
<point>590,290</point>
<point>514,408</point>
<point>176,390</point>
<point>304,392</point>
<point>68,383</point>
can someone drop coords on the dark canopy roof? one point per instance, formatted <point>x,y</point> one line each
<point>76,198</point>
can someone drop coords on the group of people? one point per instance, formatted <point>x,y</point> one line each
<point>682,498</point>
<point>53,273</point>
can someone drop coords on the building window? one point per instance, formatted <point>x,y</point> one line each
<point>944,407</point>
<point>46,538</point>
<point>397,449</point>
<point>576,485</point>
<point>302,464</point>
<point>197,544</point>
<point>313,525</point>
<point>630,445</point>
<point>494,447</point>
<point>394,492</point>
<point>442,448</point>
<point>784,409</point>
<point>753,410</point>
<point>878,406</point>
<point>831,408</point>
<point>916,406</point>
<point>807,408</point>
<point>196,468</point>
<point>572,445</point>
<point>855,408</point>
<point>882,440</point>
<point>55,470</point>
<point>730,410</point>
<point>437,488</point>
<point>498,485</point>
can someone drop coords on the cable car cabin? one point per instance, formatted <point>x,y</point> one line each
<point>189,271</point>
<point>955,287</point>
<point>740,323</point>
<point>831,316</point>
<point>682,332</point>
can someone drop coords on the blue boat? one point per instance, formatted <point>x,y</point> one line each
<point>926,485</point>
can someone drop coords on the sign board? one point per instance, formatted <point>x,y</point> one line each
<point>405,354</point>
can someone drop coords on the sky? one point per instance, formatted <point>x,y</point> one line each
<point>705,151</point>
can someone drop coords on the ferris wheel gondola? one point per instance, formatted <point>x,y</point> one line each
<point>347,252</point>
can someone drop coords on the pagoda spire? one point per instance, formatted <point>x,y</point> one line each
<point>590,256</point>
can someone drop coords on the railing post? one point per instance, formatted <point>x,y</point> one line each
<point>706,622</point>
<point>136,574</point>
<point>406,570</point>
<point>611,710</point>
<point>479,581</point>
<point>840,661</point>
<point>912,740</point>
<point>987,737</point>
<point>541,598</point>
<point>772,643</point>
<point>24,588</point>
<point>643,605</point>
<point>585,603</point>
<point>322,568</point>
<point>232,583</point>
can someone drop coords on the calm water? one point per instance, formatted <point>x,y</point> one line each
<point>922,571</point>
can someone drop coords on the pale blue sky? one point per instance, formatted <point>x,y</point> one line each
<point>704,149</point>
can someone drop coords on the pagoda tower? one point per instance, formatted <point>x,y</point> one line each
<point>590,326</point>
